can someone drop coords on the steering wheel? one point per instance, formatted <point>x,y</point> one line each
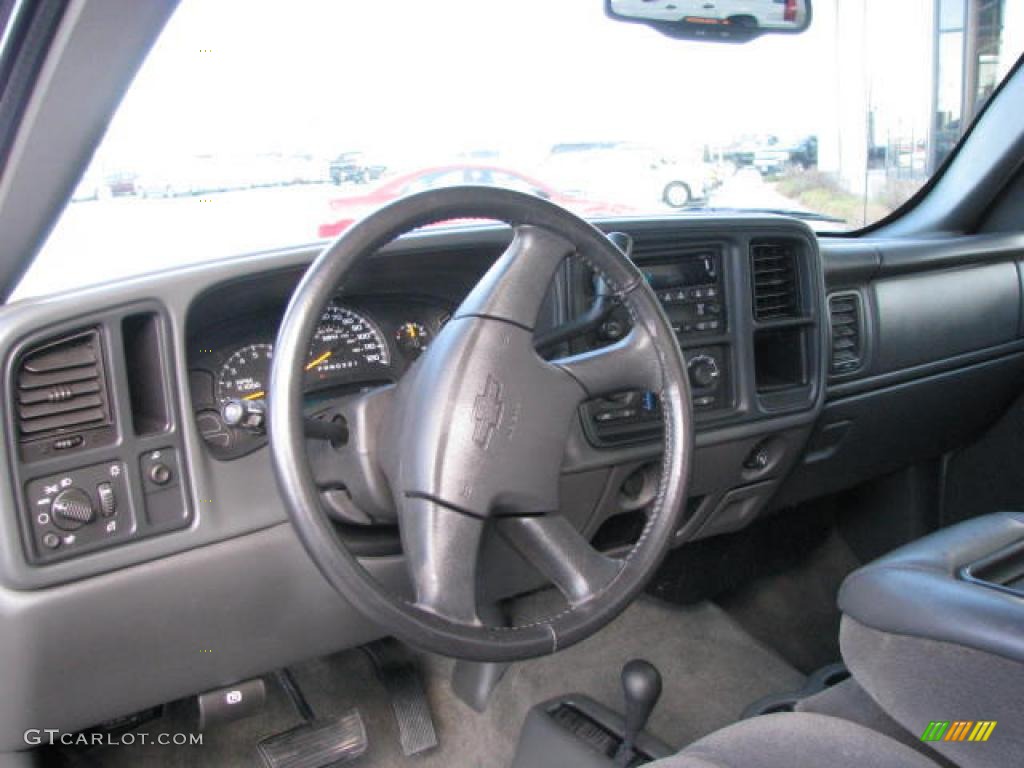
<point>474,435</point>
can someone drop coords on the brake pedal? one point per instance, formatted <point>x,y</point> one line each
<point>314,743</point>
<point>317,744</point>
<point>400,676</point>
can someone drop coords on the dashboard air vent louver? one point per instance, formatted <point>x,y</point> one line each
<point>844,311</point>
<point>61,387</point>
<point>776,281</point>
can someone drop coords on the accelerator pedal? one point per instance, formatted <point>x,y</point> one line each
<point>314,743</point>
<point>399,674</point>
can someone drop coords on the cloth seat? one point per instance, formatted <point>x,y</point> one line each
<point>929,642</point>
<point>796,740</point>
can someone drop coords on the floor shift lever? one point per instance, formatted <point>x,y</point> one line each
<point>641,686</point>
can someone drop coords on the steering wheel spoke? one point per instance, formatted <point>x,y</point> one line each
<point>630,363</point>
<point>513,289</point>
<point>442,548</point>
<point>559,551</point>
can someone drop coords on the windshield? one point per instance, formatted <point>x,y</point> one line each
<point>257,125</point>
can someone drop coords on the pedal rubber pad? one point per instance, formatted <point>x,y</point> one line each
<point>318,744</point>
<point>400,676</point>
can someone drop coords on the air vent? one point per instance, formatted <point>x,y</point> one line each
<point>776,281</point>
<point>845,317</point>
<point>61,388</point>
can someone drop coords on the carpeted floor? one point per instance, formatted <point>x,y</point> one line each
<point>712,669</point>
<point>795,611</point>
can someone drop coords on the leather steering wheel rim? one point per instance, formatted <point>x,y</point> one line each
<point>491,316</point>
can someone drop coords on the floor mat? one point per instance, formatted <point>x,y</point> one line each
<point>712,669</point>
<point>795,611</point>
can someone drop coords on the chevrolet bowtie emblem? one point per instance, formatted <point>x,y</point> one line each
<point>487,410</point>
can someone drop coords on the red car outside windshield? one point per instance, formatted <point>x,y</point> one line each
<point>352,208</point>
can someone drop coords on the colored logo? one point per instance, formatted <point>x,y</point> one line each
<point>958,730</point>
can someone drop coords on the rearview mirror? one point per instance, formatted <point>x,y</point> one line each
<point>735,21</point>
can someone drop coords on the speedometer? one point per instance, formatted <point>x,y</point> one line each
<point>346,342</point>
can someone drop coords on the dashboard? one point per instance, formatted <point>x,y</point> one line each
<point>358,344</point>
<point>815,365</point>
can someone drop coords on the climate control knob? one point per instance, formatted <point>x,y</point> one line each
<point>71,509</point>
<point>704,371</point>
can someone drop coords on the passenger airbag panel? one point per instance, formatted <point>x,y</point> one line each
<point>928,317</point>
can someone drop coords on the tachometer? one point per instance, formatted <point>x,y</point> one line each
<point>244,375</point>
<point>346,342</point>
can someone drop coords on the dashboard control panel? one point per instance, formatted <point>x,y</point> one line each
<point>87,508</point>
<point>79,494</point>
<point>79,510</point>
<point>691,292</point>
<point>635,415</point>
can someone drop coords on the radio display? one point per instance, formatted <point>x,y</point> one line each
<point>693,269</point>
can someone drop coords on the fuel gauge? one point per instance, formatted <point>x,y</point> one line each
<point>412,339</point>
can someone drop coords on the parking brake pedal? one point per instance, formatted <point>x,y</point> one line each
<point>314,743</point>
<point>400,677</point>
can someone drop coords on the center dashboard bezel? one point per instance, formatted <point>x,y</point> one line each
<point>744,403</point>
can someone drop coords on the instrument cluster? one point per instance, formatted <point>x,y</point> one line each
<point>359,343</point>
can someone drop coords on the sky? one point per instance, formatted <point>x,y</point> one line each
<point>414,76</point>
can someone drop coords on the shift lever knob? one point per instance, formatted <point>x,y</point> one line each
<point>641,686</point>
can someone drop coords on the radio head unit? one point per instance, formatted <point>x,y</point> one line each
<point>690,289</point>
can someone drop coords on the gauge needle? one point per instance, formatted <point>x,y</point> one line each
<point>314,363</point>
<point>254,395</point>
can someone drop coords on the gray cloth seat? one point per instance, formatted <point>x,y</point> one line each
<point>796,740</point>
<point>929,643</point>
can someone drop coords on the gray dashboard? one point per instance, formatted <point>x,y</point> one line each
<point>229,573</point>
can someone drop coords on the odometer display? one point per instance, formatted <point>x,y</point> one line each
<point>346,343</point>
